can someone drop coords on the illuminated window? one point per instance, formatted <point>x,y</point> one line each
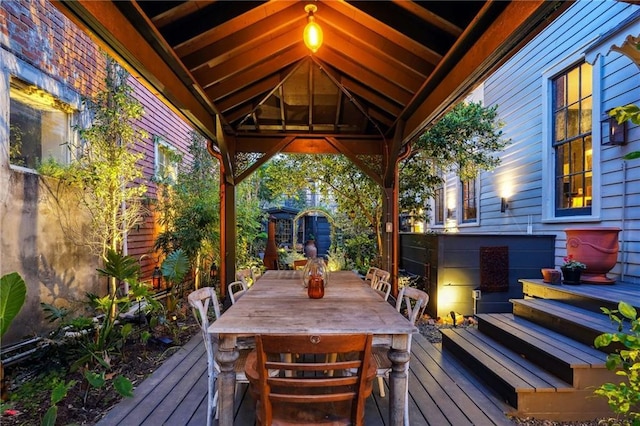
<point>39,126</point>
<point>572,140</point>
<point>166,165</point>
<point>469,201</point>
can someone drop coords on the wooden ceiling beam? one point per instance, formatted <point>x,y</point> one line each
<point>262,70</point>
<point>249,93</point>
<point>429,17</point>
<point>238,113</point>
<point>373,98</point>
<point>236,24</point>
<point>392,36</point>
<point>175,13</point>
<point>343,149</point>
<point>366,77</point>
<point>408,80</point>
<point>259,34</point>
<point>331,19</point>
<point>306,144</point>
<point>207,76</point>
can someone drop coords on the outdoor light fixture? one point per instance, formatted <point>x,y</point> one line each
<point>614,133</point>
<point>312,34</point>
<point>503,205</point>
<point>156,278</point>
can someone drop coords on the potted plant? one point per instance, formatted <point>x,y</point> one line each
<point>571,270</point>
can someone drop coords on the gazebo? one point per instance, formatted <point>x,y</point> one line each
<point>241,74</point>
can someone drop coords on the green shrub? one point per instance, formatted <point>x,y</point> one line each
<point>623,397</point>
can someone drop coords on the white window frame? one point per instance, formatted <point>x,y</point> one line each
<point>160,144</point>
<point>15,67</point>
<point>548,153</point>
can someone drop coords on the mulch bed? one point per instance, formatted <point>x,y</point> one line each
<point>32,381</point>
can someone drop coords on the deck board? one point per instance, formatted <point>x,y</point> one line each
<point>440,393</point>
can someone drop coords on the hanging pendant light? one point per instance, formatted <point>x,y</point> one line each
<point>312,34</point>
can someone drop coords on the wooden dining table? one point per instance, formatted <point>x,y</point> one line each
<point>278,304</point>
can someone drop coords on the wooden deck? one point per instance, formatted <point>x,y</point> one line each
<point>440,393</point>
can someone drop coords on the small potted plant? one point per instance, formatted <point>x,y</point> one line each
<point>571,270</point>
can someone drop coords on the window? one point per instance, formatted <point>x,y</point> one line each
<point>39,126</point>
<point>166,167</point>
<point>572,140</point>
<point>438,205</point>
<point>469,203</point>
<point>284,231</point>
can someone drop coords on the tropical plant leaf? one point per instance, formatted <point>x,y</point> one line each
<point>175,266</point>
<point>119,266</point>
<point>13,293</point>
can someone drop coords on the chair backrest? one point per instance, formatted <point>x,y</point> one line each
<point>203,301</point>
<point>370,273</point>
<point>236,289</point>
<point>299,264</point>
<point>383,288</point>
<point>313,383</point>
<point>246,276</point>
<point>415,301</point>
<point>379,275</point>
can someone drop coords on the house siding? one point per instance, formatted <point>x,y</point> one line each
<point>41,46</point>
<point>517,89</point>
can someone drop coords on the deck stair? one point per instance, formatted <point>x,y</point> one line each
<point>540,359</point>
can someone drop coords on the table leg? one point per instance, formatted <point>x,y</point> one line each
<point>398,380</point>
<point>226,356</point>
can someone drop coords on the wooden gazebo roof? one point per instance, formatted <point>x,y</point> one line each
<point>241,73</point>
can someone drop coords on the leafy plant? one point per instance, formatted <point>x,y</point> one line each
<point>57,394</point>
<point>13,293</point>
<point>623,397</point>
<point>174,269</point>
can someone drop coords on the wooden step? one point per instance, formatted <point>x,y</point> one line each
<point>506,372</point>
<point>586,296</point>
<point>579,324</point>
<point>530,389</point>
<point>574,362</point>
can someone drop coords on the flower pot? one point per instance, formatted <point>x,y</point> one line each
<point>596,247</point>
<point>551,275</point>
<point>571,276</point>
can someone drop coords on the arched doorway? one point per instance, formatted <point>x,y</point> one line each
<point>319,225</point>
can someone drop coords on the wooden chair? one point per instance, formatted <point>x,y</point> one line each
<point>203,301</point>
<point>236,290</point>
<point>383,288</point>
<point>415,302</point>
<point>299,264</point>
<point>370,273</point>
<point>379,275</point>
<point>311,390</point>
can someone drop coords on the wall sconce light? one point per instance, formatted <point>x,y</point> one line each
<point>614,133</point>
<point>312,34</point>
<point>503,205</point>
<point>449,213</point>
<point>389,227</point>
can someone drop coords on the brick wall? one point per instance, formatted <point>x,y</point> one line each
<point>36,32</point>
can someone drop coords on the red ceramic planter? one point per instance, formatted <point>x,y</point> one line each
<point>596,247</point>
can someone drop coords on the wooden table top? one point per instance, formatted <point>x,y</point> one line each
<point>278,304</point>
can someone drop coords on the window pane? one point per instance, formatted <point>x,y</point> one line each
<point>574,120</point>
<point>573,83</point>
<point>560,124</point>
<point>585,115</point>
<point>587,80</point>
<point>559,92</point>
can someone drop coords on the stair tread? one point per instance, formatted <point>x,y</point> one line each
<point>612,294</point>
<point>521,374</point>
<point>598,322</point>
<point>569,351</point>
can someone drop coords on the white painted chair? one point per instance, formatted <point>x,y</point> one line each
<point>415,302</point>
<point>203,301</point>
<point>246,276</point>
<point>236,290</point>
<point>379,275</point>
